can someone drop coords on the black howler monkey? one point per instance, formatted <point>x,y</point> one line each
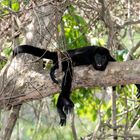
<point>96,56</point>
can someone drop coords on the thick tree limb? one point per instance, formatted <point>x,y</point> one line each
<point>25,82</point>
<point>11,122</point>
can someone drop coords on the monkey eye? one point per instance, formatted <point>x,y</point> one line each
<point>104,57</point>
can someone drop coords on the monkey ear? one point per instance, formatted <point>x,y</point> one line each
<point>110,58</point>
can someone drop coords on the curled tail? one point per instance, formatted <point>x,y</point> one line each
<point>42,53</point>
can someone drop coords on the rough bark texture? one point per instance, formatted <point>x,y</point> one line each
<point>25,85</point>
<point>11,122</point>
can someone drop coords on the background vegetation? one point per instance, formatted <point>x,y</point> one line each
<point>113,24</point>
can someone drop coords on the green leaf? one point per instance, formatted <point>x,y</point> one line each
<point>7,51</point>
<point>26,2</point>
<point>6,3</point>
<point>15,5</point>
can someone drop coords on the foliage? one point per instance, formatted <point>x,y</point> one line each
<point>14,5</point>
<point>6,53</point>
<point>75,28</point>
<point>2,63</point>
<point>91,104</point>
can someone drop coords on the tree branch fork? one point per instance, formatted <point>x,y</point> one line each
<point>22,81</point>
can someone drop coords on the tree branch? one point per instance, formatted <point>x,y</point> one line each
<point>22,82</point>
<point>11,122</point>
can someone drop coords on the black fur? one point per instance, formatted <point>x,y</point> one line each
<point>36,52</point>
<point>98,57</point>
